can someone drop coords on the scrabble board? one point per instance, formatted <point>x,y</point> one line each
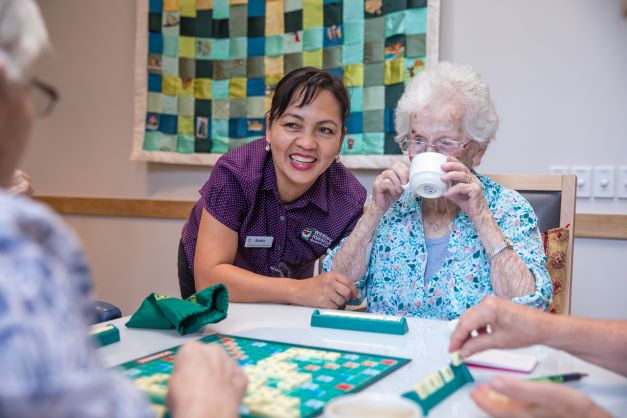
<point>285,380</point>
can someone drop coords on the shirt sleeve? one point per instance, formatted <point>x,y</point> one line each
<point>223,197</point>
<point>49,365</point>
<point>520,224</point>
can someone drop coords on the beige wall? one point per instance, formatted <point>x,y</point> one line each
<point>556,70</point>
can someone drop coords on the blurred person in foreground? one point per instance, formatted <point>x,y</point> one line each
<point>48,361</point>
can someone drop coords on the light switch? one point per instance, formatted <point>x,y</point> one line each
<point>621,185</point>
<point>584,180</point>
<point>603,185</point>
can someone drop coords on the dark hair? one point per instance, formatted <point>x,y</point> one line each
<point>303,84</point>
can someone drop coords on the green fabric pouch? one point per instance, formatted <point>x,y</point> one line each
<point>208,306</point>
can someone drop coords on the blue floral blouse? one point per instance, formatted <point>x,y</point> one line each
<point>394,283</point>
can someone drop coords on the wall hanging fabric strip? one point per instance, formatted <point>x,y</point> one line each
<point>206,70</point>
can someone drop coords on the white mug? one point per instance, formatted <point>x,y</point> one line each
<point>425,175</point>
<point>371,405</point>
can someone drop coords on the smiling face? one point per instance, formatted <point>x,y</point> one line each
<point>304,142</point>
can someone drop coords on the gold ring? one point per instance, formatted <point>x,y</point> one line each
<point>467,178</point>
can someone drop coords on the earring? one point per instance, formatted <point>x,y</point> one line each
<point>337,158</point>
<point>267,147</point>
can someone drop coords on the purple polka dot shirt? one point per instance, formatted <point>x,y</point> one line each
<point>242,194</point>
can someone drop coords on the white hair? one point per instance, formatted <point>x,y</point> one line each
<point>445,82</point>
<point>23,36</point>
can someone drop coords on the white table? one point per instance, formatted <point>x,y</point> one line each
<point>426,344</point>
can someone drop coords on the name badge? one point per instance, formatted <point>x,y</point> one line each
<point>258,242</point>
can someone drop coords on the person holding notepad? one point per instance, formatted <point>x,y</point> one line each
<point>496,323</point>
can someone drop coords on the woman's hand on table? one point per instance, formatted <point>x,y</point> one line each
<point>507,397</point>
<point>388,187</point>
<point>466,190</point>
<point>329,290</point>
<point>205,382</point>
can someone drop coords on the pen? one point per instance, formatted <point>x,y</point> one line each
<point>560,378</point>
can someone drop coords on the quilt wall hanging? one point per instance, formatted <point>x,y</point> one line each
<point>206,70</point>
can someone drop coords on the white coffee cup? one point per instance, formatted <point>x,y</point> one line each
<point>425,175</point>
<point>371,405</point>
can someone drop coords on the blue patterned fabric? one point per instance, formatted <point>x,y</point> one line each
<point>49,365</point>
<point>394,283</point>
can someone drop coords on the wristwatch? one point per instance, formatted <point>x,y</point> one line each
<point>506,243</point>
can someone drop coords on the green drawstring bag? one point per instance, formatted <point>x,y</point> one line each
<point>186,315</point>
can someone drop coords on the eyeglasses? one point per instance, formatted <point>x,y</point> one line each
<point>417,145</point>
<point>42,97</point>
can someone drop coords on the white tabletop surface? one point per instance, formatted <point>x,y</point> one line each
<point>426,345</point>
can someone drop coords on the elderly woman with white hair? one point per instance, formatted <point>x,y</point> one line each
<point>435,258</point>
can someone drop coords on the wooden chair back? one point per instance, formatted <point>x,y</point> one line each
<point>553,198</point>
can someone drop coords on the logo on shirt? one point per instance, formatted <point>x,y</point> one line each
<point>307,233</point>
<point>316,237</point>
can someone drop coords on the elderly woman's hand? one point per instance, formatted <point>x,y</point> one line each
<point>510,325</point>
<point>388,187</point>
<point>507,397</point>
<point>466,190</point>
<point>205,382</point>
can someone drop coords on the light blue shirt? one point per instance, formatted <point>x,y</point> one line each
<point>48,364</point>
<point>394,283</point>
<point>437,249</point>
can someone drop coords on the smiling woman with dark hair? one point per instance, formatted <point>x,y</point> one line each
<point>272,207</point>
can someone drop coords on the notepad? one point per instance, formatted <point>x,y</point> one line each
<point>503,360</point>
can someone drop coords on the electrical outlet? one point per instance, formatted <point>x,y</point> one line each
<point>621,185</point>
<point>558,169</point>
<point>584,180</point>
<point>603,185</point>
